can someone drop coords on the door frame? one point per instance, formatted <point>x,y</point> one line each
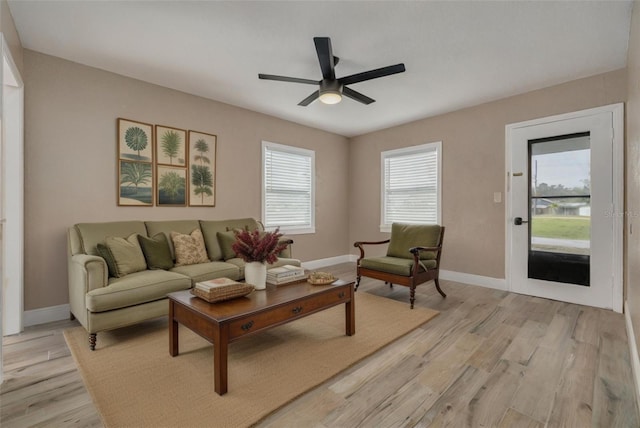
<point>617,210</point>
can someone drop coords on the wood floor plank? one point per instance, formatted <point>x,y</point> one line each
<point>586,329</point>
<point>572,406</point>
<point>536,392</point>
<point>611,408</point>
<point>452,408</point>
<point>488,355</point>
<point>393,411</point>
<point>513,418</point>
<point>525,342</point>
<point>371,394</point>
<point>439,367</point>
<point>494,398</point>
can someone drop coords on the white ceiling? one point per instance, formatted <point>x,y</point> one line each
<point>457,54</point>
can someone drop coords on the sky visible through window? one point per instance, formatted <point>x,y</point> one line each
<point>568,168</point>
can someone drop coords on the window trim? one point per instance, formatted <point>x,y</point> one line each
<point>427,147</point>
<point>290,230</point>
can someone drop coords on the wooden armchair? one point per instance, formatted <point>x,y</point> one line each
<point>413,257</point>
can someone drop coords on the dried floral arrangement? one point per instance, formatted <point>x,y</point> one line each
<point>256,246</point>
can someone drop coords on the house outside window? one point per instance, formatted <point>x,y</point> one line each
<point>411,185</point>
<point>288,190</point>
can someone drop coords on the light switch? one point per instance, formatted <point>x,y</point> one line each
<point>497,197</point>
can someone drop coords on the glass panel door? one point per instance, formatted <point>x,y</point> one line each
<point>560,204</point>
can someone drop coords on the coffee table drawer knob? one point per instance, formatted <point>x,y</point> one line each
<point>341,295</point>
<point>297,310</point>
<point>247,326</point>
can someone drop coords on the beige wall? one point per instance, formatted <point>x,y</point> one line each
<point>8,29</point>
<point>70,163</point>
<point>632,229</point>
<point>473,167</point>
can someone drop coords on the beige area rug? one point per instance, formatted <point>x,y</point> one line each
<point>134,381</point>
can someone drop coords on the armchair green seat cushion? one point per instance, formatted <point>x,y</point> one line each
<point>395,265</point>
<point>413,257</point>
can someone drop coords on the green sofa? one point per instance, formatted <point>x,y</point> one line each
<point>102,302</point>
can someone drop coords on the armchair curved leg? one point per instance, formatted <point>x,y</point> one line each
<point>92,341</point>
<point>357,282</point>
<point>412,295</point>
<point>438,288</point>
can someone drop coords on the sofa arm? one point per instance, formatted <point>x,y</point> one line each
<point>286,253</point>
<point>87,273</point>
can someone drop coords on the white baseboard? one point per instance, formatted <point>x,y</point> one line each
<point>45,315</point>
<point>320,263</point>
<point>467,278</point>
<point>633,352</point>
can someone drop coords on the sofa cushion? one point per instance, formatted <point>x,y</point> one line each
<point>156,251</point>
<point>125,255</point>
<point>210,229</point>
<point>189,249</point>
<point>134,289</point>
<point>207,271</point>
<point>226,241</point>
<point>394,265</point>
<point>405,236</point>
<point>168,226</point>
<point>91,234</point>
<point>103,251</point>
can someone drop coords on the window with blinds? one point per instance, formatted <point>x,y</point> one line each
<point>411,185</point>
<point>288,188</point>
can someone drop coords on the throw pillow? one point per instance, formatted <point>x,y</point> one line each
<point>126,254</point>
<point>156,251</point>
<point>189,249</point>
<point>226,240</point>
<point>103,251</point>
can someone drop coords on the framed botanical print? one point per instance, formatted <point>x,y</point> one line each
<point>135,163</point>
<point>172,186</point>
<point>135,141</point>
<point>135,183</point>
<point>171,146</point>
<point>202,169</point>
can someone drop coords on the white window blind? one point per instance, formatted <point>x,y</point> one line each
<point>288,192</point>
<point>411,185</point>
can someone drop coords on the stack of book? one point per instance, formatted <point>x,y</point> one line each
<point>285,274</point>
<point>220,289</point>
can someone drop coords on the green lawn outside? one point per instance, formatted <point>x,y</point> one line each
<point>561,227</point>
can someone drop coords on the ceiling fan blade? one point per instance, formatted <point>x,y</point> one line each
<point>355,95</point>
<point>287,79</point>
<point>325,57</point>
<point>311,98</point>
<point>372,74</point>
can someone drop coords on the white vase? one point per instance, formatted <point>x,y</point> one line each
<point>255,273</point>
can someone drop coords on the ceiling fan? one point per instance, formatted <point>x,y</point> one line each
<point>332,89</point>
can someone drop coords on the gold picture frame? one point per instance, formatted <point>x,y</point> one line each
<point>135,163</point>
<point>202,169</point>
<point>172,186</point>
<point>170,145</point>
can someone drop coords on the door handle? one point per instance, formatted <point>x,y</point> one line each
<point>518,221</point>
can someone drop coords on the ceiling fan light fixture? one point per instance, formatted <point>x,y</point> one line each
<point>330,97</point>
<point>330,91</point>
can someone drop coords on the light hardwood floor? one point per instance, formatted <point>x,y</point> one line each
<point>490,359</point>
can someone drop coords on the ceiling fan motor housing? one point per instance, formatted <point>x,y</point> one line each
<point>330,87</point>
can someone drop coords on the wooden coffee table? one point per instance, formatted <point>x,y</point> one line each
<point>224,322</point>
